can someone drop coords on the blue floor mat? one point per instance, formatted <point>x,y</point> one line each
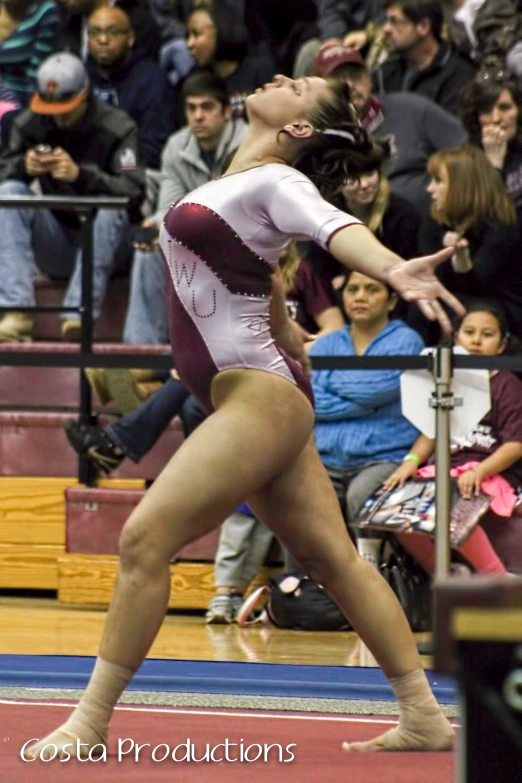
<point>252,679</point>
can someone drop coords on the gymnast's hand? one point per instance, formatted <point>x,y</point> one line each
<point>417,282</point>
<point>293,339</point>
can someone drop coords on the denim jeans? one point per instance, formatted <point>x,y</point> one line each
<point>32,239</point>
<point>137,432</point>
<point>146,319</point>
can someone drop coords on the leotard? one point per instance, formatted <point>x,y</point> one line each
<point>221,244</point>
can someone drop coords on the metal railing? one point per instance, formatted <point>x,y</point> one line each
<point>441,363</point>
<point>84,207</point>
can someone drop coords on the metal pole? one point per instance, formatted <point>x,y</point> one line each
<point>86,473</point>
<point>442,401</point>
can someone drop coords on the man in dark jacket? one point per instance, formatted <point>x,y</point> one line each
<point>73,35</point>
<point>421,62</point>
<point>69,143</point>
<point>123,78</point>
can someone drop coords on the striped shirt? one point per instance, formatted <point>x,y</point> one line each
<point>22,52</point>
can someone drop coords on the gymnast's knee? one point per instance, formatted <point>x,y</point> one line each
<point>139,549</point>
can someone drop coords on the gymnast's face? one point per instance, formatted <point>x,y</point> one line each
<point>287,102</point>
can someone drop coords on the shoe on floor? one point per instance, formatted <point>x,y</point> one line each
<point>16,327</point>
<point>71,330</point>
<point>223,609</point>
<point>93,442</point>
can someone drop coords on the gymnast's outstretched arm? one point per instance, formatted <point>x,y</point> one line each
<point>357,248</point>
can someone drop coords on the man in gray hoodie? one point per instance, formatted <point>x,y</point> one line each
<point>193,156</point>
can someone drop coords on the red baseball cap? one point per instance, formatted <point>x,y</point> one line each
<point>335,55</point>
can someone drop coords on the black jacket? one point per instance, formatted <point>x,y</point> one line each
<point>441,81</point>
<point>138,86</point>
<point>104,146</point>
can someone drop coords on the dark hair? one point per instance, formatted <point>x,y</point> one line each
<point>329,159</point>
<point>417,10</point>
<point>232,40</point>
<point>206,82</point>
<point>513,344</point>
<point>391,291</point>
<point>479,96</point>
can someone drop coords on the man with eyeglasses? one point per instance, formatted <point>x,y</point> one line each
<point>73,37</point>
<point>67,143</point>
<point>136,84</point>
<point>420,60</point>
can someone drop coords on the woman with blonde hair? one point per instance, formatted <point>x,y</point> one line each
<point>472,212</point>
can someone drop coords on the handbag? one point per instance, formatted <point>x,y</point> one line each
<point>409,582</point>
<point>295,602</point>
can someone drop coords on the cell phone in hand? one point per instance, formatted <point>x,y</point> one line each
<point>43,149</point>
<point>142,235</point>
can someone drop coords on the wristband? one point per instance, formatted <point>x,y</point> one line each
<point>412,458</point>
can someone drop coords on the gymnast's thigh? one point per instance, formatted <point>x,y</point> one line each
<point>249,439</point>
<point>301,508</point>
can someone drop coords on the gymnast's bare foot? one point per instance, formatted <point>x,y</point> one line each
<point>74,739</point>
<point>416,731</point>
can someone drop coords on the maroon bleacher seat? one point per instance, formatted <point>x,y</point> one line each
<point>54,387</point>
<point>108,327</point>
<point>35,444</point>
<point>95,517</point>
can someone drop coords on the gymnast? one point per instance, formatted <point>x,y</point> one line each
<point>245,360</point>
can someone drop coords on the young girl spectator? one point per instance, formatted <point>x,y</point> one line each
<point>491,114</point>
<point>367,196</point>
<point>217,38</point>
<point>488,458</point>
<point>472,212</point>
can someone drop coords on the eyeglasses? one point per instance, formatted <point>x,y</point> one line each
<point>110,32</point>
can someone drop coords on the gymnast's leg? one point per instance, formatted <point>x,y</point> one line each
<point>301,507</point>
<point>260,426</point>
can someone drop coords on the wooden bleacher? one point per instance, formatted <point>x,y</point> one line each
<point>55,534</point>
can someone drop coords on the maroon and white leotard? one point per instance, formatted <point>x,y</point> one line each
<point>222,243</point>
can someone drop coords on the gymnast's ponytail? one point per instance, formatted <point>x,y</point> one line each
<point>340,149</point>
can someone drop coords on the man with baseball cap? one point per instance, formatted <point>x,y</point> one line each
<point>70,143</point>
<point>415,125</point>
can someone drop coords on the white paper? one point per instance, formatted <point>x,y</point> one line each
<point>472,386</point>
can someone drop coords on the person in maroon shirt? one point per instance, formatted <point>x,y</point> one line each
<point>488,458</point>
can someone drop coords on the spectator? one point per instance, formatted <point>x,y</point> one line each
<point>492,116</point>
<point>421,62</point>
<point>360,431</point>
<point>366,195</point>
<point>9,107</point>
<point>71,143</point>
<point>28,34</point>
<point>171,17</point>
<point>73,35</point>
<point>122,78</point>
<point>472,212</point>
<point>337,22</point>
<point>488,30</point>
<point>217,38</point>
<point>415,126</point>
<point>192,156</point>
<point>489,457</point>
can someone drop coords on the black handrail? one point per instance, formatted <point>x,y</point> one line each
<point>85,207</point>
